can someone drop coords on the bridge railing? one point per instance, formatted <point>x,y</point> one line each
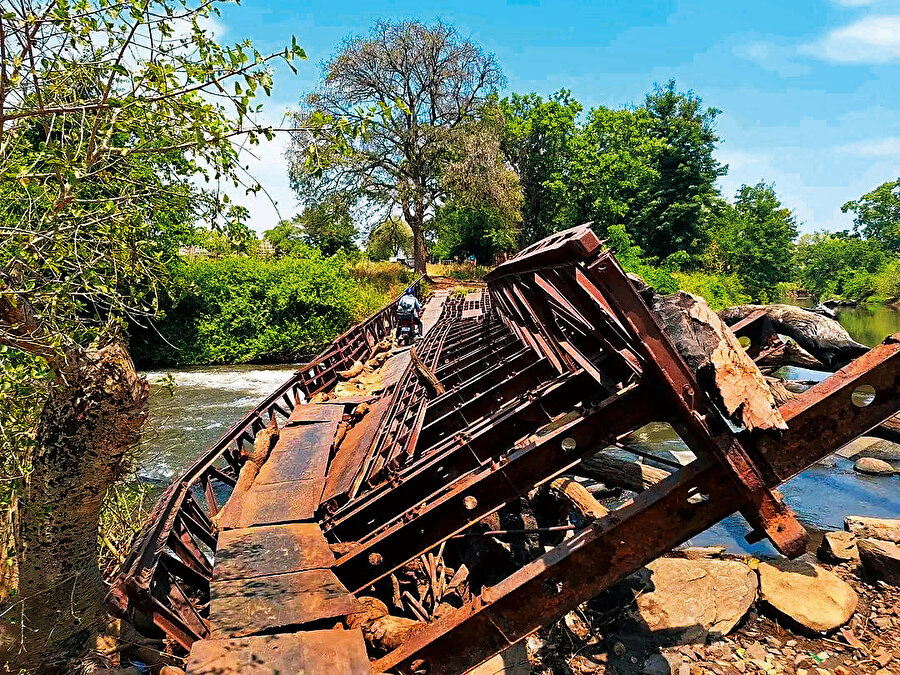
<point>164,580</point>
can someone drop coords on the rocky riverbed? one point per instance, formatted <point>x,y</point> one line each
<point>699,610</point>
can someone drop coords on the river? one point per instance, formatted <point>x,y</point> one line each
<point>208,400</point>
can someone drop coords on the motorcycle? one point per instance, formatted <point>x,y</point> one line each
<point>406,330</point>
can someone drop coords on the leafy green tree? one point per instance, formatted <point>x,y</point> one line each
<point>671,213</point>
<point>286,237</point>
<point>754,238</point>
<point>837,263</point>
<point>877,215</point>
<point>108,111</point>
<point>328,225</point>
<point>426,84</point>
<point>479,231</point>
<point>389,239</point>
<point>537,143</point>
<point>613,159</point>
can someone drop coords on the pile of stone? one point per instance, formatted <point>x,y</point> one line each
<point>694,599</point>
<point>872,542</point>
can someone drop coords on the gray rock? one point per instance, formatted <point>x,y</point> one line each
<point>880,559</point>
<point>875,467</point>
<point>810,595</point>
<point>661,664</point>
<point>695,598</point>
<point>856,446</point>
<point>881,449</point>
<point>838,547</point>
<point>701,552</point>
<point>887,529</point>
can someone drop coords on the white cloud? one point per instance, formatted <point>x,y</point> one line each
<point>769,56</point>
<point>855,3</point>
<point>879,147</point>
<point>872,39</point>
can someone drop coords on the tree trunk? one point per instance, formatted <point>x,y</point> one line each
<point>418,231</point>
<point>93,416</point>
<point>822,337</point>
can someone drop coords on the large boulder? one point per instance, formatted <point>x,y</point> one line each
<point>887,529</point>
<point>838,547</point>
<point>691,599</point>
<point>872,466</point>
<point>810,595</point>
<point>880,559</point>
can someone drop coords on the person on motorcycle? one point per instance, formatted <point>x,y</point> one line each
<point>409,306</point>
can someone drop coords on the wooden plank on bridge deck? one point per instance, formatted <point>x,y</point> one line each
<point>311,653</point>
<point>240,607</point>
<point>301,452</point>
<point>353,450</point>
<point>271,549</point>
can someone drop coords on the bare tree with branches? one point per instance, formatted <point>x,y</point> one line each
<point>427,85</point>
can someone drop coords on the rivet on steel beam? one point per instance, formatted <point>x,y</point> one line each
<point>375,559</point>
<point>568,444</point>
<point>470,503</point>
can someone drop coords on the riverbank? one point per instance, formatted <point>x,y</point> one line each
<point>703,612</point>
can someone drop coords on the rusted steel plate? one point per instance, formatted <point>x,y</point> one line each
<point>352,451</point>
<point>275,503</point>
<point>272,549</point>
<point>301,452</point>
<point>240,607</point>
<point>310,653</point>
<point>315,412</point>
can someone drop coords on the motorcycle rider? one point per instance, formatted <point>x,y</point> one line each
<point>409,306</point>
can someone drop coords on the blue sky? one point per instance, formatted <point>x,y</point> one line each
<point>809,91</point>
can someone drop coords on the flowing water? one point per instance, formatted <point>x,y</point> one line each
<point>208,400</point>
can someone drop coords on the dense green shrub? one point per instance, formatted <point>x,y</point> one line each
<point>237,309</point>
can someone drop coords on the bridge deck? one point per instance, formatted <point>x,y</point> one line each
<point>272,587</point>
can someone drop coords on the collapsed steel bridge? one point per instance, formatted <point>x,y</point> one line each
<point>557,359</point>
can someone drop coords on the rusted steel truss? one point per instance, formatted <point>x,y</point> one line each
<point>164,581</point>
<point>559,358</point>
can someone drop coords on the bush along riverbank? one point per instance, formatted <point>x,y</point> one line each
<point>262,310</point>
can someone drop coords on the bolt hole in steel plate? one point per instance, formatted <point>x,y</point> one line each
<point>863,395</point>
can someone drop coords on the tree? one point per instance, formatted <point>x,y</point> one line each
<point>328,225</point>
<point>389,239</point>
<point>286,237</point>
<point>754,238</point>
<point>877,215</point>
<point>537,142</point>
<point>826,262</point>
<point>478,231</point>
<point>426,85</point>
<point>671,213</point>
<point>107,113</point>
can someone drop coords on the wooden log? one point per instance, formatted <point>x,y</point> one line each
<point>819,335</point>
<point>381,630</point>
<point>788,354</point>
<point>723,368</point>
<point>428,379</point>
<point>579,497</point>
<point>619,473</point>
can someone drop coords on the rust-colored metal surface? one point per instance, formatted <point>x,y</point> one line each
<point>241,607</point>
<point>271,549</point>
<point>320,651</point>
<point>558,358</point>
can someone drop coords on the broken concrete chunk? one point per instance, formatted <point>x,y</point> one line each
<point>838,547</point>
<point>881,560</point>
<point>691,599</point>
<point>810,595</point>
<point>887,529</point>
